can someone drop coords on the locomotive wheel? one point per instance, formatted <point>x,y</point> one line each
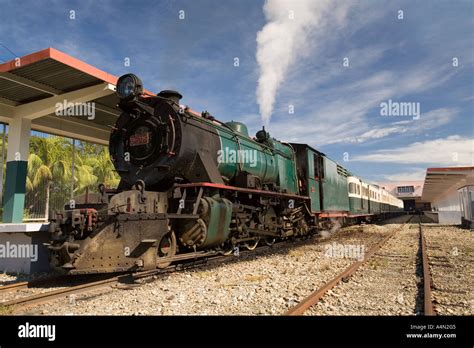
<point>166,248</point>
<point>251,245</point>
<point>269,241</point>
<point>228,249</point>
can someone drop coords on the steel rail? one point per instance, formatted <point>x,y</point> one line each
<point>197,261</point>
<point>30,284</point>
<point>427,281</point>
<point>314,297</point>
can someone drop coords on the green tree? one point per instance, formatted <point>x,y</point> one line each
<point>83,173</point>
<point>48,162</point>
<point>53,166</point>
<point>103,167</point>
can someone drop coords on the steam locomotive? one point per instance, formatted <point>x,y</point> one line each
<point>192,186</point>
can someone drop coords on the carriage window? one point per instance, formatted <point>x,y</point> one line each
<point>318,166</point>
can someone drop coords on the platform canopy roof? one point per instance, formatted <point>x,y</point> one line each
<point>440,180</point>
<point>31,86</point>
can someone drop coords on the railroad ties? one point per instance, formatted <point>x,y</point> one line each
<point>92,282</point>
<point>317,295</point>
<point>427,281</point>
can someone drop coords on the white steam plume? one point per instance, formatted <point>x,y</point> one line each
<point>281,41</point>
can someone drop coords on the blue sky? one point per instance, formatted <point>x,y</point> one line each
<point>336,107</point>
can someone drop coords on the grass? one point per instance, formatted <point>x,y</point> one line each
<point>377,263</point>
<point>6,310</point>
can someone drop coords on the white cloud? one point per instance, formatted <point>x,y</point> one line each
<point>451,151</point>
<point>416,174</point>
<point>345,113</point>
<point>431,120</point>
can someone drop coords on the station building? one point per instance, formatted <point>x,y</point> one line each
<point>445,195</point>
<point>410,193</point>
<point>450,191</point>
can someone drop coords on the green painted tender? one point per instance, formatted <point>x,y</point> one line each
<point>335,190</point>
<point>322,179</point>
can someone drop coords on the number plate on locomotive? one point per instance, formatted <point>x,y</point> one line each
<point>139,139</point>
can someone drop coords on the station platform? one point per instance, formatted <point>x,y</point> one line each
<point>22,248</point>
<point>35,91</point>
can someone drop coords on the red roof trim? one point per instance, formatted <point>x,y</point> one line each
<point>82,66</point>
<point>448,169</point>
<point>52,53</point>
<point>25,60</point>
<point>62,58</point>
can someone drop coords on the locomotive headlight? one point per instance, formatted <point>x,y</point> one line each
<point>129,86</point>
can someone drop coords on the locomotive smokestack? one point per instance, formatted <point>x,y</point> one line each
<point>169,94</point>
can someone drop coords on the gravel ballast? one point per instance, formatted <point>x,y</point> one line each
<point>450,253</point>
<point>273,280</point>
<point>268,283</point>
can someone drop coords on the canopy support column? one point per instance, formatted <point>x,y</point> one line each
<point>17,165</point>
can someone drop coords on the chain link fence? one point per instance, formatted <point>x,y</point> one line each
<point>3,163</point>
<point>59,168</point>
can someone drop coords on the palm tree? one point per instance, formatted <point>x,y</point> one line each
<point>3,165</point>
<point>103,167</point>
<point>48,162</point>
<point>83,173</point>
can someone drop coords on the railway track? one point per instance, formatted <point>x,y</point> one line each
<point>428,308</point>
<point>105,281</point>
<point>36,299</point>
<point>49,281</point>
<point>314,297</point>
<point>28,284</point>
<point>450,255</point>
<point>125,280</point>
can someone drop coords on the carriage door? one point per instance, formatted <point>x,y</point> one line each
<point>368,199</point>
<point>314,182</point>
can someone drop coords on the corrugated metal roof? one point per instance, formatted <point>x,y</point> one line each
<point>19,93</point>
<point>439,180</point>
<point>50,72</point>
<point>57,75</point>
